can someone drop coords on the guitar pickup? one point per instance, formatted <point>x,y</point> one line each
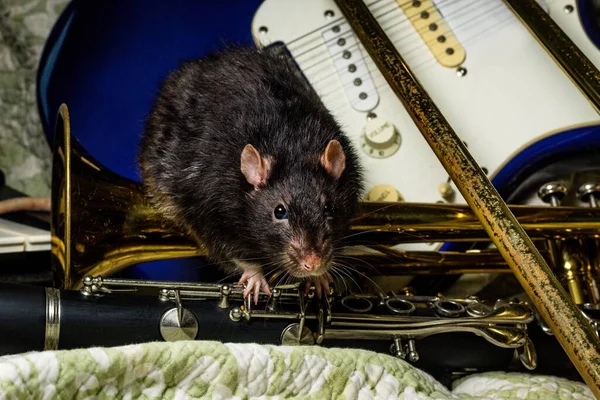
<point>434,31</point>
<point>344,49</point>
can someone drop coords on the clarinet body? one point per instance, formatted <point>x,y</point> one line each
<point>439,336</point>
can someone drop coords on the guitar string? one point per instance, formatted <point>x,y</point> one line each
<point>342,19</point>
<point>389,31</point>
<point>370,64</point>
<point>383,86</point>
<point>374,74</point>
<point>321,28</point>
<point>431,60</point>
<point>393,7</point>
<point>406,54</point>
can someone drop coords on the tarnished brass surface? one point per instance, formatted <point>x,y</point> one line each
<point>559,311</point>
<point>101,222</point>
<point>401,262</point>
<point>560,47</point>
<point>385,223</point>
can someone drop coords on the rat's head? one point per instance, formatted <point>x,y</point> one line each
<point>300,209</point>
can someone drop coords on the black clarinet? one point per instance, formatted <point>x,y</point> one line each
<point>437,335</point>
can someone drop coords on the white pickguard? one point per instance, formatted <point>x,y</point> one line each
<point>513,92</point>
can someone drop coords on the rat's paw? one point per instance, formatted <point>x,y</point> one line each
<point>255,281</point>
<point>321,283</point>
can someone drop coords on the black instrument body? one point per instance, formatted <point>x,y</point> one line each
<point>120,319</point>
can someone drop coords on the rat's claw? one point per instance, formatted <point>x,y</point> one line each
<point>255,281</point>
<point>321,284</point>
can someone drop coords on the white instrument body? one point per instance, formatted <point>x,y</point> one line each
<point>512,94</point>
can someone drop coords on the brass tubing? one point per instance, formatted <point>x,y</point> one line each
<point>115,227</point>
<point>408,263</point>
<point>385,223</point>
<point>560,47</point>
<point>563,317</point>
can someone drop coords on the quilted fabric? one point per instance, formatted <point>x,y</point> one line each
<point>213,370</point>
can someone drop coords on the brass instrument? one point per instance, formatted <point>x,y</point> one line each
<point>102,223</point>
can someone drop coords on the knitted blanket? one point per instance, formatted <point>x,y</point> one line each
<point>213,370</point>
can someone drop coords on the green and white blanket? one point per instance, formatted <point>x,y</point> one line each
<point>213,370</point>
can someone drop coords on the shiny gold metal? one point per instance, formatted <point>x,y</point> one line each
<point>101,222</point>
<point>567,265</point>
<point>571,270</point>
<point>394,262</point>
<point>589,192</point>
<point>394,223</point>
<point>592,269</point>
<point>563,317</point>
<point>582,72</point>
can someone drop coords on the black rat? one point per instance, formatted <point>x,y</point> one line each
<point>241,152</point>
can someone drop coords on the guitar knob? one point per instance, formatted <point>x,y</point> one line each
<point>379,138</point>
<point>553,193</point>
<point>589,193</point>
<point>446,191</point>
<point>384,193</point>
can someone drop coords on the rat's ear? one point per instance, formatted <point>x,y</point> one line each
<point>333,159</point>
<point>255,168</point>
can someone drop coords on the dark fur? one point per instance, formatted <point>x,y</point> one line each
<point>204,115</point>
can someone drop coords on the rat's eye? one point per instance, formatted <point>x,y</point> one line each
<point>280,212</point>
<point>328,209</point>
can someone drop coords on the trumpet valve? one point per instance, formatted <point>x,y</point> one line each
<point>589,193</point>
<point>553,193</point>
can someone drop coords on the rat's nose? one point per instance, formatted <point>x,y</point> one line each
<point>311,263</point>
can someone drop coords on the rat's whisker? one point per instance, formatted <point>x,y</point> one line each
<point>365,276</point>
<point>340,256</point>
<point>342,271</point>
<point>420,237</point>
<point>355,234</point>
<point>354,220</point>
<point>339,276</point>
<point>230,275</point>
<point>374,211</point>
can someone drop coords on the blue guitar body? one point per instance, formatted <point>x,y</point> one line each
<point>105,60</point>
